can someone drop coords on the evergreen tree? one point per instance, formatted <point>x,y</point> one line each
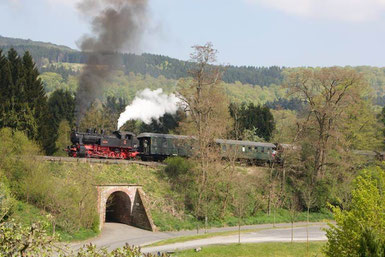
<point>61,107</point>
<point>63,138</point>
<point>165,125</point>
<point>258,119</point>
<point>23,102</point>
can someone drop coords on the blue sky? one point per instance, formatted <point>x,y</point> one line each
<point>246,32</point>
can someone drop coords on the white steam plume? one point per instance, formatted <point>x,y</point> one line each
<point>149,105</point>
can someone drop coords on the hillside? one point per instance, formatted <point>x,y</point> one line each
<point>60,66</point>
<point>153,65</point>
<point>16,42</point>
<point>66,191</point>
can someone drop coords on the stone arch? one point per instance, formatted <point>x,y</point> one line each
<point>118,208</point>
<point>124,203</point>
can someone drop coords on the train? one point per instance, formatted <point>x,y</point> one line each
<point>158,147</point>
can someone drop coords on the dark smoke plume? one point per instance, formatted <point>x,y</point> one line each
<point>117,25</point>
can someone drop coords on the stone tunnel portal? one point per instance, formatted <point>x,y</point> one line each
<point>118,208</point>
<point>124,203</point>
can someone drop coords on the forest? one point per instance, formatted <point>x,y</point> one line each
<point>323,114</point>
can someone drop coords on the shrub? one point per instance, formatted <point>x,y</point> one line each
<point>363,225</point>
<point>177,166</point>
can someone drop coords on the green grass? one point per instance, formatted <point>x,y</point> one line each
<point>80,235</point>
<point>258,250</point>
<point>27,214</point>
<point>281,216</point>
<point>167,222</point>
<point>195,237</point>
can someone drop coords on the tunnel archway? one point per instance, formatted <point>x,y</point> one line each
<point>124,203</point>
<point>118,208</point>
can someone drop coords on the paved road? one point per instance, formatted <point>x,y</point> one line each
<point>269,235</point>
<point>116,235</point>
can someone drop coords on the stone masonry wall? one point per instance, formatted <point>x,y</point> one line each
<point>140,216</point>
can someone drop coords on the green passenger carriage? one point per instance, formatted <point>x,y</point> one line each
<point>155,146</point>
<point>253,152</point>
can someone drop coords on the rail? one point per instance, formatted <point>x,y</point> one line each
<point>94,160</point>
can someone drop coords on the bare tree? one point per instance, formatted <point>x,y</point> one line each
<point>309,199</point>
<point>293,206</point>
<point>207,118</point>
<point>240,200</point>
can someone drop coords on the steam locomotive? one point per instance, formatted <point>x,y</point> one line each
<point>91,144</point>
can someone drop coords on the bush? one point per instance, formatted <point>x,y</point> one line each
<point>360,230</point>
<point>19,240</point>
<point>177,166</point>
<point>34,240</point>
<point>6,201</point>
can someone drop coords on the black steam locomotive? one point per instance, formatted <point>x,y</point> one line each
<point>91,144</point>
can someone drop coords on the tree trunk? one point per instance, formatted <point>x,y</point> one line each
<point>307,231</point>
<point>239,229</point>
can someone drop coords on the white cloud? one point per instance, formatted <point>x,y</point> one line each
<point>346,10</point>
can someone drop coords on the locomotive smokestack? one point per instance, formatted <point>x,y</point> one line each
<point>117,25</point>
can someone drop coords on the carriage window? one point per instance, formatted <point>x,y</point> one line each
<point>263,149</point>
<point>224,148</point>
<point>243,149</point>
<point>165,143</point>
<point>249,148</point>
<point>256,148</point>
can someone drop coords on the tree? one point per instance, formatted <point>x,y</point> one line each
<point>293,207</point>
<point>329,93</point>
<point>257,120</point>
<point>63,139</point>
<point>364,222</point>
<point>235,113</point>
<point>61,107</point>
<point>240,201</point>
<point>207,119</point>
<point>24,104</point>
<point>166,124</point>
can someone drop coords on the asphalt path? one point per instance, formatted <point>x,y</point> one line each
<point>268,235</point>
<point>115,235</point>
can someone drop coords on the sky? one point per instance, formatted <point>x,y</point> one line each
<point>288,33</point>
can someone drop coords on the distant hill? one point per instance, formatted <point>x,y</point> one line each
<point>154,65</point>
<point>62,60</point>
<point>16,42</point>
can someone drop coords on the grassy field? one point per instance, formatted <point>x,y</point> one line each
<point>258,250</point>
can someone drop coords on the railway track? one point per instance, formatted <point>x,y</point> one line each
<point>94,160</point>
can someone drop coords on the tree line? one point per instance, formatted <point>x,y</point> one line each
<point>154,65</point>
